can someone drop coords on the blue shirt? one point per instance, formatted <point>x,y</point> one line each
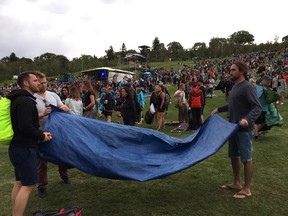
<point>261,97</point>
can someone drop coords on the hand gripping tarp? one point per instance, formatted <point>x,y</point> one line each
<point>117,151</point>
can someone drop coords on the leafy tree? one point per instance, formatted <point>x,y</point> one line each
<point>131,51</point>
<point>241,38</point>
<point>63,63</point>
<point>155,51</point>
<point>156,44</point>
<point>47,57</point>
<point>198,49</point>
<point>123,50</point>
<point>162,52</point>
<point>5,59</point>
<point>90,61</point>
<point>198,46</point>
<point>47,63</point>
<point>51,64</point>
<point>175,50</point>
<point>110,54</point>
<point>4,71</point>
<point>26,60</point>
<point>13,57</point>
<point>216,47</point>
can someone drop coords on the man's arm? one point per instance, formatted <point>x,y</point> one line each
<point>47,111</point>
<point>25,123</point>
<point>60,104</point>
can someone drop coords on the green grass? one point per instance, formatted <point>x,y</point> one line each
<point>172,64</point>
<point>194,191</point>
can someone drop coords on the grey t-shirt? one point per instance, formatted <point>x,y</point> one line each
<point>243,103</point>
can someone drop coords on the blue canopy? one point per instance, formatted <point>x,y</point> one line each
<point>117,151</point>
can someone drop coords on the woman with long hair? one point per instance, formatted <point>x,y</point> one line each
<point>109,104</point>
<point>74,102</point>
<point>160,108</point>
<point>141,102</point>
<point>128,107</point>
<point>89,109</point>
<point>181,104</point>
<point>64,94</point>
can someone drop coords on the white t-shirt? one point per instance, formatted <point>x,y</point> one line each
<point>76,107</point>
<point>180,96</point>
<point>275,82</point>
<point>211,83</point>
<point>50,98</point>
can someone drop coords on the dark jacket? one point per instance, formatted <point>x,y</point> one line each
<point>110,106</point>
<point>25,120</point>
<point>128,109</point>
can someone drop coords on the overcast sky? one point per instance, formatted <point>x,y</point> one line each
<point>30,28</point>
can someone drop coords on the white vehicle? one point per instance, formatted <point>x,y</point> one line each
<point>107,74</point>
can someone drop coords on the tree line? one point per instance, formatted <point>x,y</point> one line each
<point>53,65</point>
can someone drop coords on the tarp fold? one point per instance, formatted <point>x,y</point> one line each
<point>117,151</point>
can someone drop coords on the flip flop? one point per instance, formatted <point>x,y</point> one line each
<point>241,195</point>
<point>229,187</point>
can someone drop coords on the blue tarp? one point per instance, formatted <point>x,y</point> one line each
<point>117,151</point>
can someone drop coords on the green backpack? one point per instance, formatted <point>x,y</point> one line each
<point>270,95</point>
<point>6,131</point>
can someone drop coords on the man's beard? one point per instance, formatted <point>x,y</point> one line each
<point>234,78</point>
<point>41,90</point>
<point>34,89</point>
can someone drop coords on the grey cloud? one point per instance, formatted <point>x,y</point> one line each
<point>26,41</point>
<point>113,1</point>
<point>3,2</point>
<point>109,1</point>
<point>56,7</point>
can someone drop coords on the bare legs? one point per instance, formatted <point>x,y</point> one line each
<point>236,165</point>
<point>20,196</point>
<point>248,171</point>
<point>119,117</point>
<point>160,123</point>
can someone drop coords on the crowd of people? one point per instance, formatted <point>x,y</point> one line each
<point>102,98</point>
<point>241,79</point>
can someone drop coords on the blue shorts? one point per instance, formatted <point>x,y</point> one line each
<point>240,145</point>
<point>24,161</point>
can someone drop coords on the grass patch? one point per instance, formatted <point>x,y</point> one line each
<point>194,191</point>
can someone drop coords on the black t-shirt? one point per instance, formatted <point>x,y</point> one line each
<point>86,99</point>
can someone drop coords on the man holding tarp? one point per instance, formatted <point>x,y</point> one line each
<point>44,101</point>
<point>23,147</point>
<point>244,108</point>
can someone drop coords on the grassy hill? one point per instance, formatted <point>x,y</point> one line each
<point>194,191</point>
